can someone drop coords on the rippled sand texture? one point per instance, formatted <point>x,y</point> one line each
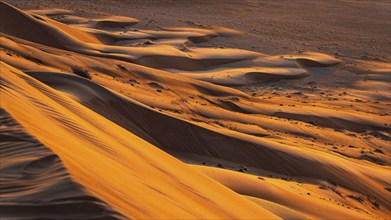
<point>103,121</point>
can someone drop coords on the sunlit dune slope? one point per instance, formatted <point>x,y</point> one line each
<point>129,174</point>
<point>283,196</point>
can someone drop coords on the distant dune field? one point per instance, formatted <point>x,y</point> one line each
<point>160,116</point>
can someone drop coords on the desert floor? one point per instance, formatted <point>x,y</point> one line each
<point>195,109</point>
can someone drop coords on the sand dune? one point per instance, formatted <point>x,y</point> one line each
<point>311,205</point>
<point>34,180</point>
<point>276,156</point>
<point>246,76</point>
<point>135,174</point>
<point>103,118</point>
<point>70,38</point>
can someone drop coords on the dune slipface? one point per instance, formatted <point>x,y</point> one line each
<point>103,119</point>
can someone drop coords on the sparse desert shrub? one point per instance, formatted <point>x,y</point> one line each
<point>81,72</point>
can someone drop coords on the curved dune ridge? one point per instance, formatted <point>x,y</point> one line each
<point>103,120</point>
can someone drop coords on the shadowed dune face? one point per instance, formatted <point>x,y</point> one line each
<point>97,111</point>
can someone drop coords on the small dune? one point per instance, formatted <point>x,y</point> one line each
<point>114,22</point>
<point>246,76</point>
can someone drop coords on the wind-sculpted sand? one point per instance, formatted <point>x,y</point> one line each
<point>101,120</point>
